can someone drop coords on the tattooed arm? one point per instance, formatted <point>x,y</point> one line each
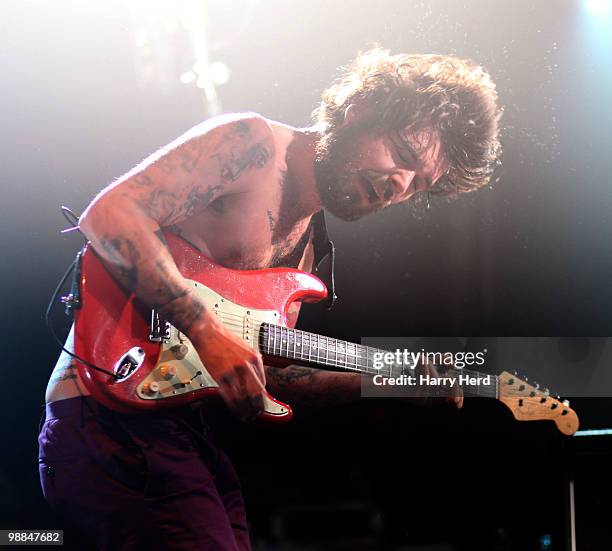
<point>175,183</point>
<point>320,388</point>
<point>313,387</point>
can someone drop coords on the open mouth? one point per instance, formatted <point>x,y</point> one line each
<point>377,191</point>
<point>370,190</point>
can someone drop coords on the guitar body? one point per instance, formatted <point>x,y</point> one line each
<point>113,330</point>
<point>148,365</point>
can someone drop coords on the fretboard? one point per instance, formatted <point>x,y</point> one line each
<point>325,352</point>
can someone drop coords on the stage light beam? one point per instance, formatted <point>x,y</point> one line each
<point>599,8</point>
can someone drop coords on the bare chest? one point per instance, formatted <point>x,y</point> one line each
<point>252,230</point>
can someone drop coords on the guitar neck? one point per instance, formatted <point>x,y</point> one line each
<point>324,352</point>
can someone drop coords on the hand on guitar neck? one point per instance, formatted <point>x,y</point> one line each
<point>454,396</point>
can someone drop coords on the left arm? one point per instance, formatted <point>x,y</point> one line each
<point>313,387</point>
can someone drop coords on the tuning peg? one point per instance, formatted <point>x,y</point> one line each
<point>565,403</point>
<point>526,379</point>
<point>536,385</point>
<point>546,392</point>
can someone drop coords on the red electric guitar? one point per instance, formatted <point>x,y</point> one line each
<point>149,365</point>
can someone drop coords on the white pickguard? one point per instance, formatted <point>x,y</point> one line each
<point>180,370</point>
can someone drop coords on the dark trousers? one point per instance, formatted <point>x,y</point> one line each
<point>151,481</point>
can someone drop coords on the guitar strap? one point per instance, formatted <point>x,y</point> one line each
<point>324,257</point>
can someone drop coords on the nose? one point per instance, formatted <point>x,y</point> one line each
<point>401,183</point>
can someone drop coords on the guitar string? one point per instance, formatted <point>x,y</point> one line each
<point>307,356</point>
<point>239,321</point>
<point>240,325</point>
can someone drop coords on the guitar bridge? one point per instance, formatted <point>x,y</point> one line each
<point>160,328</point>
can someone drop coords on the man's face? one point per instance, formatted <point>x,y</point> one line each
<point>359,171</point>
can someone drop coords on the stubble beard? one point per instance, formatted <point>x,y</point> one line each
<point>335,182</point>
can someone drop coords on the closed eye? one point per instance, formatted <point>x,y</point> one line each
<point>405,154</point>
<point>405,162</point>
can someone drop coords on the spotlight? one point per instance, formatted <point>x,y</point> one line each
<point>599,7</point>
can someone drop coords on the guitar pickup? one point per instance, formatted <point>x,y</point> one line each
<point>160,328</point>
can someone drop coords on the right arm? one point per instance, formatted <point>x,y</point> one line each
<point>123,225</point>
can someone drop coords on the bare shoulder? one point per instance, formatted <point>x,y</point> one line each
<point>230,129</point>
<point>243,136</point>
<point>250,123</point>
<point>185,176</point>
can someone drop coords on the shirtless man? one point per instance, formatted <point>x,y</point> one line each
<point>243,190</point>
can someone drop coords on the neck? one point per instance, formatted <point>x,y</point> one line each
<point>300,170</point>
<point>327,353</point>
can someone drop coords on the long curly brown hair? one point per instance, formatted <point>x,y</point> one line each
<point>456,98</point>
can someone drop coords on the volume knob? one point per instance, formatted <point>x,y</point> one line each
<point>167,371</point>
<point>151,388</point>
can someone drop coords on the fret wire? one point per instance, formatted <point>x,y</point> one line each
<point>287,341</point>
<point>311,347</point>
<point>347,349</point>
<point>477,390</point>
<point>309,341</point>
<point>275,338</point>
<point>300,344</point>
<point>335,341</point>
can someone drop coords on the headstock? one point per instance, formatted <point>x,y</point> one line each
<point>529,403</point>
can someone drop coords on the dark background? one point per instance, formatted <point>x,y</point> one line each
<point>527,256</point>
